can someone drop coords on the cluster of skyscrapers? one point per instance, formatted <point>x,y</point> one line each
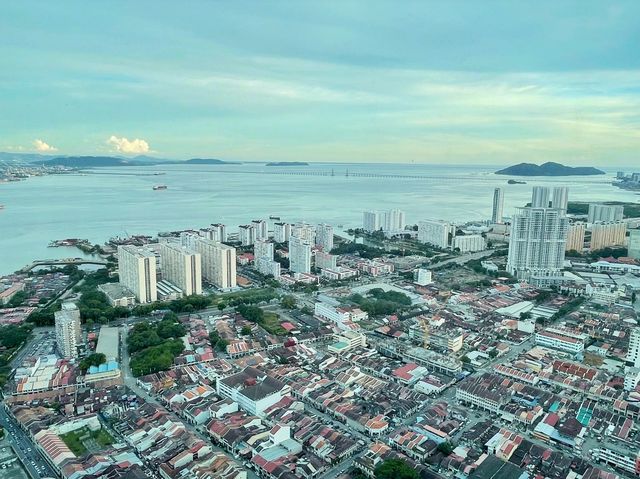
<point>182,267</point>
<point>168,269</point>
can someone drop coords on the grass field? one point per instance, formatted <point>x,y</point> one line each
<point>272,324</point>
<point>84,439</point>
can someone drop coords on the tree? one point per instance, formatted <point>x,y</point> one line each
<point>246,330</point>
<point>493,353</point>
<point>17,299</point>
<point>253,314</point>
<point>95,359</point>
<point>12,336</point>
<point>445,448</point>
<point>465,359</point>
<point>395,469</point>
<point>288,302</point>
<point>221,306</point>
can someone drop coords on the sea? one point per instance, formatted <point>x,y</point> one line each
<point>107,202</point>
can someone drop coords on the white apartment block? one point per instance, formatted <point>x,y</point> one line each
<point>498,206</point>
<point>604,235</point>
<point>299,255</point>
<point>352,339</point>
<point>68,330</point>
<point>631,378</point>
<point>629,463</point>
<point>540,197</point>
<point>326,260</point>
<point>268,267</point>
<point>247,234</point>
<point>560,339</point>
<point>575,237</point>
<point>560,198</point>
<point>446,340</point>
<point>538,240</point>
<point>305,232</point>
<point>481,399</point>
<point>422,277</point>
<point>633,351</point>
<point>435,232</point>
<point>338,315</point>
<point>394,221</point>
<point>607,213</point>
<point>281,232</point>
<point>371,220</point>
<point>216,232</point>
<point>469,243</point>
<point>263,249</point>
<point>218,263</point>
<point>262,229</point>
<point>137,271</point>
<point>324,237</point>
<point>182,267</point>
<point>338,273</point>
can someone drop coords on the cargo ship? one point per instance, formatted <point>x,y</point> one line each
<point>160,187</point>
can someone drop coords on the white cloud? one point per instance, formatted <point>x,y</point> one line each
<point>124,145</point>
<point>43,147</point>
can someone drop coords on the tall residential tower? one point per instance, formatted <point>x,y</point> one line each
<point>137,271</point>
<point>498,206</point>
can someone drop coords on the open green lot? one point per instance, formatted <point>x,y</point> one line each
<point>84,440</point>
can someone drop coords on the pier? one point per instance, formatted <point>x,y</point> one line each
<point>62,262</point>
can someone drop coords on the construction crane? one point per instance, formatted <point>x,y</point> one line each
<point>425,325</point>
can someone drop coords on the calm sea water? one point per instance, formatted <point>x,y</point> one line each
<point>108,202</point>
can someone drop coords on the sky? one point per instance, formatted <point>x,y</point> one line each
<point>460,82</point>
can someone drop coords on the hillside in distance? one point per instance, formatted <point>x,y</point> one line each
<point>549,169</point>
<point>94,161</point>
<point>208,161</point>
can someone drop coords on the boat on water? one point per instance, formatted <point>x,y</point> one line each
<point>160,187</point>
<point>159,173</point>
<point>1,207</point>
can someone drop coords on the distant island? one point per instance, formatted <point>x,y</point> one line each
<point>208,161</point>
<point>516,182</point>
<point>288,163</point>
<point>548,169</point>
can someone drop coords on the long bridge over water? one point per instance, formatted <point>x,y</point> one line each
<point>489,177</point>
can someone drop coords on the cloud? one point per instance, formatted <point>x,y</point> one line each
<point>124,145</point>
<point>43,147</point>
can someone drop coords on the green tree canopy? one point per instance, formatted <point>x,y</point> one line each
<point>395,469</point>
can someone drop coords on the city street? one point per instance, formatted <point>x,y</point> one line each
<point>27,452</point>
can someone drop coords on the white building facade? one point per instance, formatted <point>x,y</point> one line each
<point>137,271</point>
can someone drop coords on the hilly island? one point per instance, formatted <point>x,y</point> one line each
<point>548,169</point>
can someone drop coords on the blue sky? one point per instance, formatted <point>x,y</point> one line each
<point>434,82</point>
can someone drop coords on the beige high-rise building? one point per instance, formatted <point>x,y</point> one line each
<point>218,263</point>
<point>68,330</point>
<point>324,237</point>
<point>137,270</point>
<point>604,235</point>
<point>634,244</point>
<point>181,267</point>
<point>575,237</point>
